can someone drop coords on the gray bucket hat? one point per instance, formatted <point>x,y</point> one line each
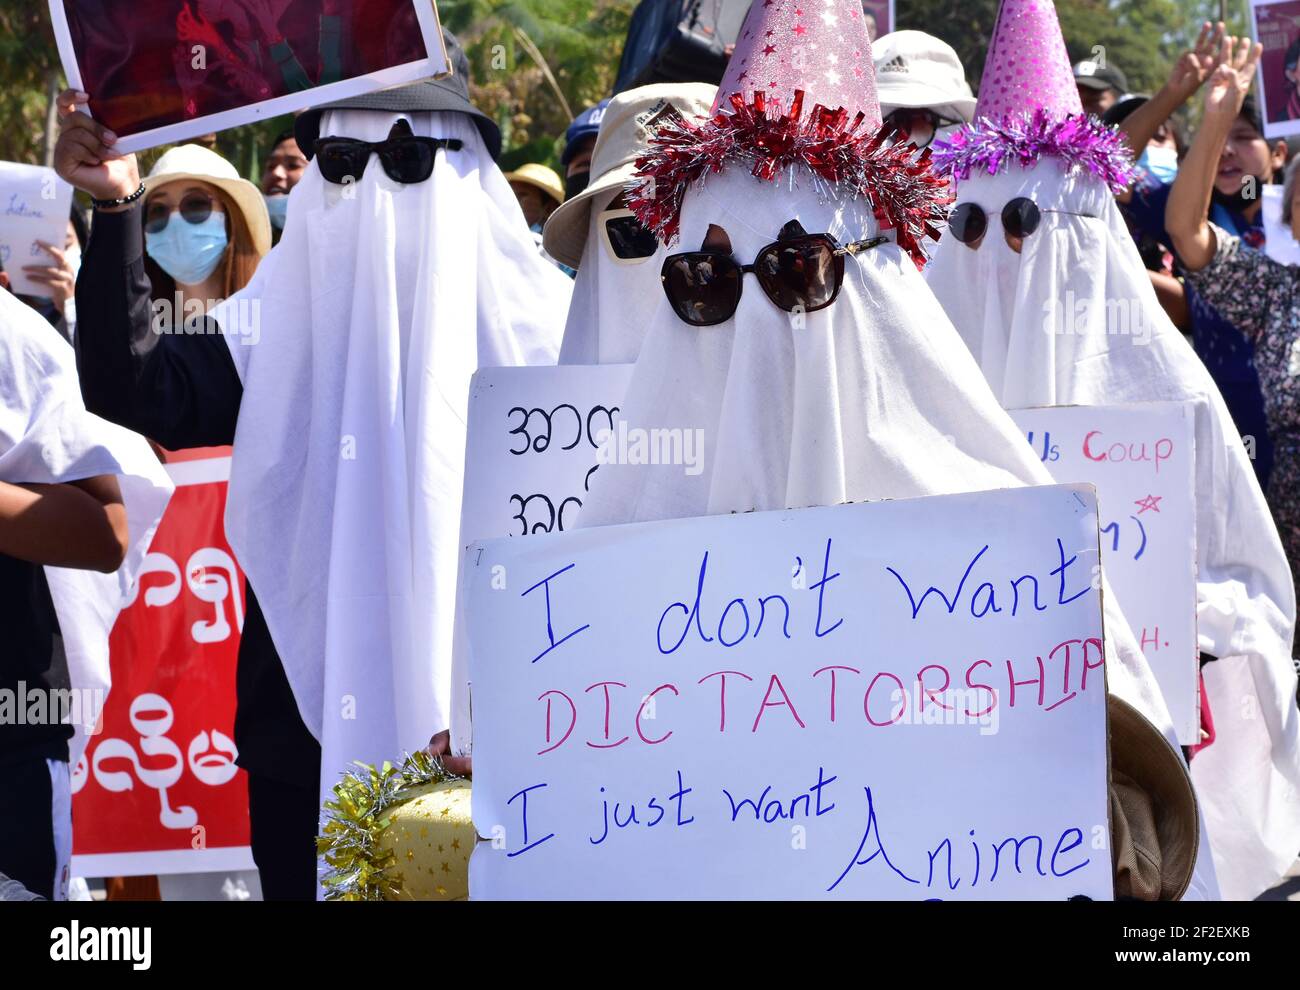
<point>448,93</point>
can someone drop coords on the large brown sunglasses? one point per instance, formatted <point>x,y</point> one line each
<point>799,274</point>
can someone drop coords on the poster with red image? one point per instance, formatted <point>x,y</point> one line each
<point>157,790</point>
<point>1277,28</point>
<point>880,16</point>
<point>161,71</point>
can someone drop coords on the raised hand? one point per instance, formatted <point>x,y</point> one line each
<point>84,155</point>
<point>1230,82</point>
<point>1195,66</point>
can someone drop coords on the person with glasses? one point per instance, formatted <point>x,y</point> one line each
<point>617,259</point>
<point>205,232</point>
<point>1044,283</point>
<point>921,85</point>
<point>341,375</point>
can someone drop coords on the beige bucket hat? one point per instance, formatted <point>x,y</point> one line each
<point>625,131</point>
<point>190,162</point>
<point>1154,825</point>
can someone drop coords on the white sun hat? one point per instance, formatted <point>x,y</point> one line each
<point>193,163</point>
<point>915,69</point>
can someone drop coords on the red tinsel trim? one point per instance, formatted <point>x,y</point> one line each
<point>905,193</point>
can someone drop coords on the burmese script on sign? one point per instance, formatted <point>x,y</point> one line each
<point>893,700</point>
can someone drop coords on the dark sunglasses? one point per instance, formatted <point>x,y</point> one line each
<point>628,241</point>
<point>406,159</point>
<point>195,208</point>
<point>1020,218</point>
<point>913,123</point>
<point>801,273</point>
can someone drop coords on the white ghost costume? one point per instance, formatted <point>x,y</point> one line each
<point>612,302</point>
<point>871,398</point>
<point>377,306</point>
<point>1037,324</point>
<point>47,437</point>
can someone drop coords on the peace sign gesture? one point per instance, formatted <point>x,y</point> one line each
<point>1230,82</point>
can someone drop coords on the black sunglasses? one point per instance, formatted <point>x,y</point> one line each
<point>801,273</point>
<point>195,208</point>
<point>629,241</point>
<point>1020,218</point>
<point>406,159</point>
<point>907,121</point>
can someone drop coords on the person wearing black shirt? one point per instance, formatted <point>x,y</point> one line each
<point>182,391</point>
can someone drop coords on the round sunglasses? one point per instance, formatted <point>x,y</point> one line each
<point>406,159</point>
<point>1020,218</point>
<point>195,208</point>
<point>801,274</point>
<point>626,239</point>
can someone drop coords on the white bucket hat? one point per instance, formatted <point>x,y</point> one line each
<point>197,164</point>
<point>915,69</point>
<point>624,134</point>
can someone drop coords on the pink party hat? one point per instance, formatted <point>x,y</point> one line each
<point>1027,67</point>
<point>799,93</point>
<point>1029,107</point>
<point>819,46</point>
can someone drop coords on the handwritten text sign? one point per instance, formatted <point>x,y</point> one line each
<point>533,441</point>
<point>891,700</point>
<point>1142,460</point>
<point>34,206</point>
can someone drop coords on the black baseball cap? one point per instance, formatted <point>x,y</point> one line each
<point>1099,75</point>
<point>450,93</point>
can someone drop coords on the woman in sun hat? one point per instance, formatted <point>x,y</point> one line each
<point>205,230</point>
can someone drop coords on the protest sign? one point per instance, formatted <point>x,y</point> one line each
<point>880,17</point>
<point>34,206</point>
<point>1142,460</point>
<point>899,700</point>
<point>532,440</point>
<point>157,790</point>
<point>161,71</point>
<point>532,444</point>
<point>1280,243</point>
<point>1277,28</point>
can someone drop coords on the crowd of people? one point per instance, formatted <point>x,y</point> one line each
<point>386,257</point>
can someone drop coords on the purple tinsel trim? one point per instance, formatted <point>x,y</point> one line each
<point>1080,141</point>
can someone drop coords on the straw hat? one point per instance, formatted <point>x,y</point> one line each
<point>192,163</point>
<point>1154,824</point>
<point>625,131</point>
<point>539,177</point>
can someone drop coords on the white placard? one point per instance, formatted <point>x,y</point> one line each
<point>1142,460</point>
<point>533,437</point>
<point>532,443</point>
<point>753,706</point>
<point>34,206</point>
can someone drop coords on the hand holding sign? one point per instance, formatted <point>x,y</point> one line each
<point>85,154</point>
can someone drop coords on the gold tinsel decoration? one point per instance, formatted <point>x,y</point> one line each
<point>362,867</point>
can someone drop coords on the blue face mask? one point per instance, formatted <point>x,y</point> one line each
<point>1161,163</point>
<point>278,207</point>
<point>188,252</point>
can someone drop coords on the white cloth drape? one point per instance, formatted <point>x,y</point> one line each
<point>1073,320</point>
<point>48,437</point>
<point>612,302</point>
<point>372,313</point>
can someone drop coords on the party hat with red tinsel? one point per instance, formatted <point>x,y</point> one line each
<point>1029,107</point>
<point>792,55</point>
